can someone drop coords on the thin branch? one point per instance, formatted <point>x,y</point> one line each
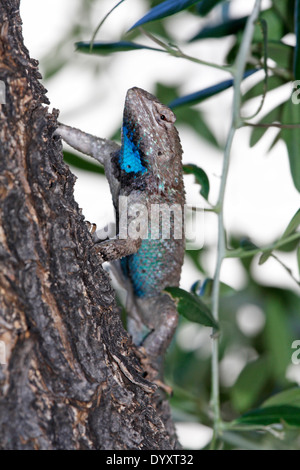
<point>235,124</point>
<point>273,124</point>
<point>242,253</point>
<point>175,51</point>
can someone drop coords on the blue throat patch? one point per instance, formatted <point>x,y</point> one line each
<point>130,158</point>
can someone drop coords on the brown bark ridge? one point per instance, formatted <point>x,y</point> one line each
<point>72,379</point>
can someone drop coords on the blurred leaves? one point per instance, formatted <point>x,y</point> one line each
<point>297,48</point>
<point>105,48</point>
<point>201,95</point>
<point>164,9</point>
<point>220,30</point>
<point>82,163</point>
<point>293,225</point>
<point>291,137</point>
<point>184,115</point>
<point>272,415</point>
<point>247,389</point>
<point>288,397</point>
<point>200,177</point>
<point>278,338</point>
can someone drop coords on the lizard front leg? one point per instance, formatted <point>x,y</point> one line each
<point>116,248</point>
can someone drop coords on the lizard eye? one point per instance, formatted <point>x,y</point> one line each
<point>163,115</point>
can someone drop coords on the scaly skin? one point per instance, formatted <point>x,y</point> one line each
<point>146,170</point>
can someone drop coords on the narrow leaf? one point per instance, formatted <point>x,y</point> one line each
<point>277,338</point>
<point>264,257</point>
<point>192,117</point>
<point>281,53</point>
<point>272,415</point>
<point>298,259</point>
<point>250,383</point>
<point>273,116</point>
<point>287,397</point>
<point>258,88</point>
<point>296,66</point>
<point>206,6</point>
<point>198,96</point>
<point>204,289</point>
<point>200,177</point>
<point>191,307</point>
<point>164,9</point>
<point>104,48</point>
<point>222,29</point>
<point>82,163</point>
<point>291,137</point>
<point>293,225</point>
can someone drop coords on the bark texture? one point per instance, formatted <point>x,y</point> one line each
<point>72,379</point>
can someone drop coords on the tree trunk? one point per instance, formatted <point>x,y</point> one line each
<point>72,378</point>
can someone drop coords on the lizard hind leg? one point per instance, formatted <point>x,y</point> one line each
<point>161,317</point>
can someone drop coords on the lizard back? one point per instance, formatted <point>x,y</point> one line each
<point>149,171</point>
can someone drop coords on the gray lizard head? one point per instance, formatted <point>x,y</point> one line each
<point>151,151</point>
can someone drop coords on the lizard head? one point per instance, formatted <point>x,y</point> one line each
<point>151,151</point>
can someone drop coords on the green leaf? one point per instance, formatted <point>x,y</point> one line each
<point>258,88</point>
<point>249,384</point>
<point>298,259</point>
<point>191,307</point>
<point>194,256</point>
<point>278,338</point>
<point>105,48</point>
<point>206,6</point>
<point>201,95</point>
<point>164,9</point>
<point>296,67</point>
<point>81,163</point>
<point>200,177</point>
<point>271,415</point>
<point>271,117</point>
<point>191,117</point>
<point>287,397</point>
<point>281,53</point>
<point>222,29</point>
<point>291,137</point>
<point>293,225</point>
<point>194,118</point>
<point>264,257</point>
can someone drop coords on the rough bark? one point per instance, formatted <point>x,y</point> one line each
<point>63,385</point>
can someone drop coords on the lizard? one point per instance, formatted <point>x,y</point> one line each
<point>146,173</point>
